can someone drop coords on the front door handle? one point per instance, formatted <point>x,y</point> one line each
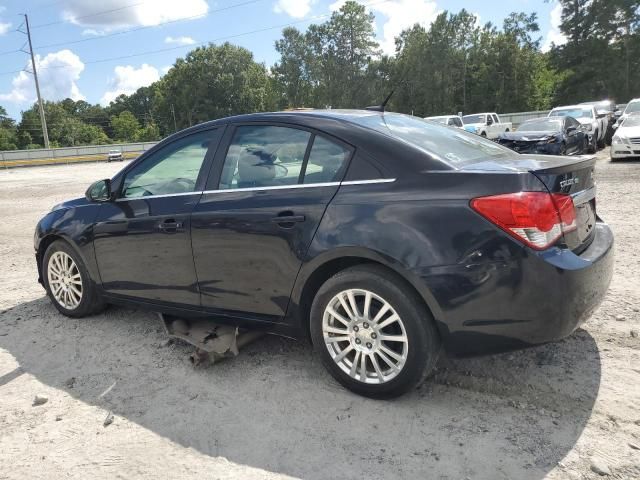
<point>170,226</point>
<point>287,219</point>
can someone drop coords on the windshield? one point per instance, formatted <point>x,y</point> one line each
<point>473,119</point>
<point>450,144</point>
<point>542,125</point>
<point>633,121</point>
<point>438,119</point>
<point>632,107</point>
<point>573,112</point>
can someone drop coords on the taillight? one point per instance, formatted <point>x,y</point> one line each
<point>538,219</point>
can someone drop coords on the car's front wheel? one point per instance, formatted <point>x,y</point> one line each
<point>68,283</point>
<point>373,333</point>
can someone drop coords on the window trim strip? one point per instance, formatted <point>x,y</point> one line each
<point>272,187</point>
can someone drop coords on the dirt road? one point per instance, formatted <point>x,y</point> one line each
<point>555,411</point>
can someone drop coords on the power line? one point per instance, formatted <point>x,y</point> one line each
<point>162,50</point>
<point>96,14</point>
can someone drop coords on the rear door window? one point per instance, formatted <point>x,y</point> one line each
<point>264,156</point>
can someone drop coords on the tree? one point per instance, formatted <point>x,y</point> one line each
<point>211,82</point>
<point>8,133</point>
<point>292,73</point>
<point>602,37</point>
<point>149,133</point>
<point>125,126</point>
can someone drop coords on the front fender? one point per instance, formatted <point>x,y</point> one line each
<point>75,226</point>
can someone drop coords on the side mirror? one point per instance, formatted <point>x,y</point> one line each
<point>99,191</point>
<point>615,126</point>
<point>571,129</point>
<point>602,115</point>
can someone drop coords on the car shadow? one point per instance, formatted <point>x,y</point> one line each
<point>513,415</point>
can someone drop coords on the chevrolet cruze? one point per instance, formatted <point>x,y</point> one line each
<point>383,238</point>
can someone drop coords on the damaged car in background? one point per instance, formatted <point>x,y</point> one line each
<point>549,136</point>
<point>593,123</point>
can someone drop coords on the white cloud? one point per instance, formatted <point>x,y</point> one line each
<point>293,8</point>
<point>57,72</point>
<point>128,79</point>
<point>124,13</point>
<point>166,69</point>
<point>398,16</point>
<point>554,35</point>
<point>4,28</point>
<point>180,40</point>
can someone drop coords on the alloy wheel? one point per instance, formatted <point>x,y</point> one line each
<point>65,281</point>
<point>365,336</point>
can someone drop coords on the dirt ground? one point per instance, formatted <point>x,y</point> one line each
<point>556,411</point>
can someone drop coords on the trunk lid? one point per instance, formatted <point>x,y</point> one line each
<point>575,178</point>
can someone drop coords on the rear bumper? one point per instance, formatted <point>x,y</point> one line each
<point>537,298</point>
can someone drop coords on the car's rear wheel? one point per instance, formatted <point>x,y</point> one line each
<point>602,142</point>
<point>68,283</point>
<point>373,333</point>
<point>593,145</point>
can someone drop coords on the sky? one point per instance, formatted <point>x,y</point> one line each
<point>97,50</point>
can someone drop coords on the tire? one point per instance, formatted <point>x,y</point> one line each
<point>593,147</point>
<point>601,143</point>
<point>89,299</point>
<point>483,134</point>
<point>414,357</point>
<point>585,146</point>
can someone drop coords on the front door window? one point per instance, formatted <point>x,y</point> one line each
<point>172,170</point>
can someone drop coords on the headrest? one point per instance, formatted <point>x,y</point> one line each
<point>253,168</point>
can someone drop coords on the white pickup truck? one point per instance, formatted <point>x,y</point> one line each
<point>486,124</point>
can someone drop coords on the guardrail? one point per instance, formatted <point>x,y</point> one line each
<point>52,156</point>
<point>519,117</point>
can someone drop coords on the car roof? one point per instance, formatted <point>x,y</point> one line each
<point>342,125</point>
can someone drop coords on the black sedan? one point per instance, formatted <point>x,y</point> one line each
<point>382,237</point>
<point>550,136</point>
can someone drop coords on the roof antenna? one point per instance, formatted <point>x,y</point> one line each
<point>381,107</point>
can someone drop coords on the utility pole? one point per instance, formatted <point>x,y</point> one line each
<point>173,112</point>
<point>45,134</point>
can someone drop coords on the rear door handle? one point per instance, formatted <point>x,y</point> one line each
<point>288,217</point>
<point>170,226</point>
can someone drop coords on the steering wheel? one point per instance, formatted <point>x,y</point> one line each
<point>283,169</point>
<point>186,182</point>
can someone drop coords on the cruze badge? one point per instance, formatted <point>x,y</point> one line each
<point>569,182</point>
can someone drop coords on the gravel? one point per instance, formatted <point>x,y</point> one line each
<point>274,413</point>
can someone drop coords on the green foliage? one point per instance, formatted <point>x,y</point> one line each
<point>602,51</point>
<point>454,65</point>
<point>8,133</point>
<point>149,133</point>
<point>211,82</point>
<point>125,126</point>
